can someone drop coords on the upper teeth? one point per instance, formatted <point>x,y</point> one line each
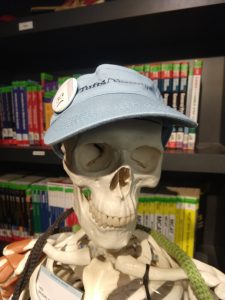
<point>103,220</point>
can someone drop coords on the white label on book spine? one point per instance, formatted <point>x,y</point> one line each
<point>26,25</point>
<point>52,287</point>
<point>38,153</point>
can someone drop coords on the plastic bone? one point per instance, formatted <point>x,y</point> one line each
<point>113,161</point>
<point>209,269</point>
<point>19,246</point>
<point>220,291</point>
<point>11,267</point>
<point>77,257</point>
<point>141,294</point>
<point>175,293</point>
<point>131,266</point>
<point>146,254</point>
<point>162,260</point>
<point>33,283</point>
<point>99,279</point>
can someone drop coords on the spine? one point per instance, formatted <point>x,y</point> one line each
<point>147,70</point>
<point>166,216</point>
<point>18,116</point>
<point>4,118</point>
<point>9,115</point>
<point>166,90</point>
<point>30,115</point>
<point>182,102</point>
<point>34,209</point>
<point>175,143</point>
<point>140,211</point>
<point>172,218</point>
<point>68,192</point>
<point>158,216</point>
<point>178,227</point>
<point>188,104</point>
<point>35,116</point>
<point>155,75</point>
<point>12,130</point>
<point>24,112</point>
<point>1,116</point>
<point>48,111</point>
<point>190,215</point>
<point>196,84</point>
<point>12,106</point>
<point>195,99</point>
<point>40,115</point>
<point>28,206</point>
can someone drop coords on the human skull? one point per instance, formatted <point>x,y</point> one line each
<point>113,161</point>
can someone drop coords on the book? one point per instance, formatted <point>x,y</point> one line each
<point>155,75</point>
<point>30,107</point>
<point>173,213</point>
<point>193,99</point>
<point>48,111</point>
<point>40,117</point>
<point>6,220</point>
<point>22,204</point>
<point>22,86</point>
<point>182,102</point>
<point>18,112</point>
<point>56,198</point>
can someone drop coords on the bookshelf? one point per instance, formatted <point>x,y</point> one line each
<point>127,32</point>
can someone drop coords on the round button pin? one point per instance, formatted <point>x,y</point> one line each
<point>64,96</point>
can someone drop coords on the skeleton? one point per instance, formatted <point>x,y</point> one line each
<point>108,257</point>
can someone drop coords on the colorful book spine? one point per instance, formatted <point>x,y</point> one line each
<point>18,112</point>
<point>190,217</point>
<point>4,117</point>
<point>72,219</point>
<point>40,115</point>
<point>172,218</point>
<point>1,116</point>
<point>172,143</point>
<point>182,102</point>
<point>155,75</point>
<point>35,115</point>
<point>12,107</point>
<point>139,69</point>
<point>188,105</point>
<point>167,82</point>
<point>159,216</point>
<point>30,107</point>
<point>196,84</point>
<point>11,127</point>
<point>195,99</point>
<point>140,211</point>
<point>147,70</point>
<point>24,111</point>
<point>48,111</point>
<point>56,199</point>
<point>45,79</point>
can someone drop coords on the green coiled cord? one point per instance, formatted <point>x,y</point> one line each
<point>198,284</point>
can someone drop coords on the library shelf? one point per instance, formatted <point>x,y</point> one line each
<point>28,155</point>
<point>88,36</point>
<point>176,160</point>
<point>105,12</point>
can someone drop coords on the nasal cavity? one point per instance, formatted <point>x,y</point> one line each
<point>121,177</point>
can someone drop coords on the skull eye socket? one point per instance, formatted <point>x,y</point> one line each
<point>145,158</point>
<point>93,157</point>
